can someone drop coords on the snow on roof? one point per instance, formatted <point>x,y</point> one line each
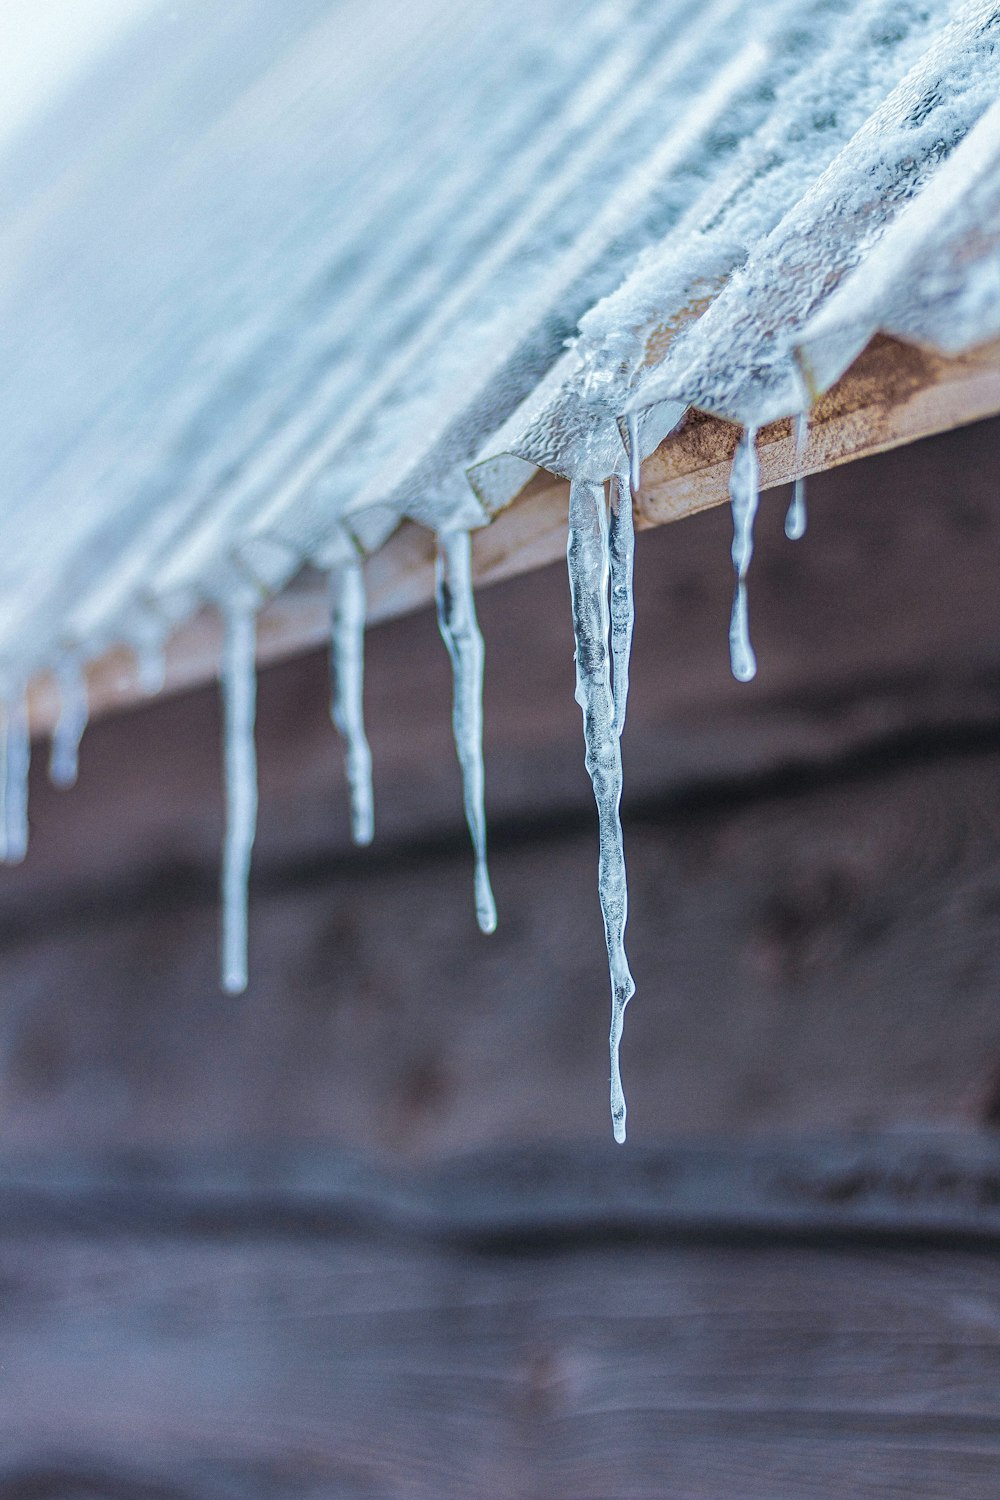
<point>275,277</point>
<point>277,272</point>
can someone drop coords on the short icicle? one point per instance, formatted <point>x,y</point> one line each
<point>151,666</point>
<point>459,628</point>
<point>795,520</point>
<point>148,639</point>
<point>744,493</point>
<point>635,462</point>
<point>16,763</point>
<point>239,696</point>
<point>347,674</point>
<point>64,755</point>
<point>588,558</point>
<point>621,553</point>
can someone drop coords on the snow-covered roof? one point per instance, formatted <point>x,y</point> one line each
<point>277,276</point>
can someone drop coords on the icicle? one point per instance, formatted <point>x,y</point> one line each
<point>635,462</point>
<point>4,762</point>
<point>151,665</point>
<point>588,558</point>
<point>72,721</point>
<point>460,630</point>
<point>621,553</point>
<point>795,520</point>
<point>347,673</point>
<point>744,495</point>
<point>149,629</point>
<point>15,762</point>
<point>239,694</point>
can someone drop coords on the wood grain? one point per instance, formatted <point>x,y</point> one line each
<point>883,620</point>
<point>912,1187</point>
<point>894,394</point>
<point>362,1233</point>
<point>284,1361</point>
<point>796,944</point>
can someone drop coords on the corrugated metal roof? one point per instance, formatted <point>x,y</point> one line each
<point>271,275</point>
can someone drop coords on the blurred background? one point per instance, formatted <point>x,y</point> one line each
<point>46,45</point>
<point>362,1232</point>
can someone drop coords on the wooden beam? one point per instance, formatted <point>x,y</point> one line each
<point>928,1186</point>
<point>256,1335</point>
<point>893,394</point>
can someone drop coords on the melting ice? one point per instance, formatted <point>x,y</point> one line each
<point>635,462</point>
<point>795,520</point>
<point>15,755</point>
<point>64,756</point>
<point>239,700</point>
<point>456,611</point>
<point>621,557</point>
<point>589,571</point>
<point>744,493</point>
<point>347,671</point>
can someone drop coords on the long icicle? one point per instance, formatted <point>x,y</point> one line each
<point>239,699</point>
<point>744,493</point>
<point>64,755</point>
<point>795,518</point>
<point>16,765</point>
<point>621,554</point>
<point>456,610</point>
<point>347,679</point>
<point>587,555</point>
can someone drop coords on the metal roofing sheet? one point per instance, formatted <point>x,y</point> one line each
<point>270,276</point>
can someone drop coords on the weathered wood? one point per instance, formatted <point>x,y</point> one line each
<point>932,1188</point>
<point>892,395</point>
<point>284,1363</point>
<point>813,927</point>
<point>883,620</point>
<point>812,951</point>
<point>813,858</point>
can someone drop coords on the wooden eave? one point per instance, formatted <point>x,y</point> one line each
<point>893,394</point>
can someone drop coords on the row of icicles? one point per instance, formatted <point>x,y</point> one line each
<point>600,553</point>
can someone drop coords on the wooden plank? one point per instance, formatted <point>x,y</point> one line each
<point>813,861</point>
<point>930,1187</point>
<point>883,621</point>
<point>812,951</point>
<point>893,394</point>
<point>289,1362</point>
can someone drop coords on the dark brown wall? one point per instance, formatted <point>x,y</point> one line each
<point>813,860</point>
<point>815,934</point>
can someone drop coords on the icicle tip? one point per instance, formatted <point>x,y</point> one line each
<point>234,983</point>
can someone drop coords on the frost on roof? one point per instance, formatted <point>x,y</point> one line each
<point>278,276</point>
<point>297,281</point>
<point>737,361</point>
<point>935,276</point>
<point>823,92</point>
